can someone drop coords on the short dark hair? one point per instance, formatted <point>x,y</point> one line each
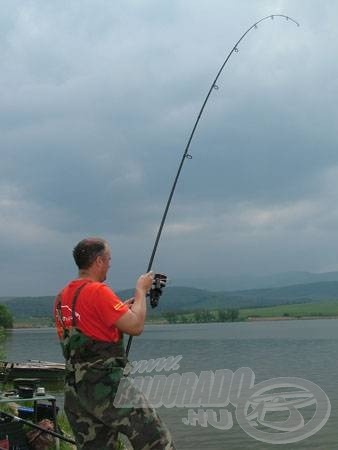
<point>87,250</point>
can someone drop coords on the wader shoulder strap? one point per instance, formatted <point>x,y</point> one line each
<point>58,305</point>
<point>76,296</point>
<point>58,310</point>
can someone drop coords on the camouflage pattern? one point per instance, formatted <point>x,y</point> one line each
<point>93,373</point>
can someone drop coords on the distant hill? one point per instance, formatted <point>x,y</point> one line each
<point>178,298</point>
<point>186,299</point>
<point>241,282</point>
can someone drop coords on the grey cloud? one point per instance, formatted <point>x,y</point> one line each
<point>97,105</point>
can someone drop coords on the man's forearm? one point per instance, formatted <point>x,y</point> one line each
<point>132,322</point>
<point>139,307</point>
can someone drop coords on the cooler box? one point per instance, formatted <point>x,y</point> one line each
<point>43,412</point>
<point>26,412</point>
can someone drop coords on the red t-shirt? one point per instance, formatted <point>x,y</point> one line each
<point>96,311</point>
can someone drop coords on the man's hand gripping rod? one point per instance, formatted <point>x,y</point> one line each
<point>154,294</point>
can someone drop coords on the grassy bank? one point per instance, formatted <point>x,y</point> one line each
<point>304,310</point>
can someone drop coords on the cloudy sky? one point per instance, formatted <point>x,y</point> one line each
<point>98,99</point>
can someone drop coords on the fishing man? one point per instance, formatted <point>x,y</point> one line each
<point>90,319</point>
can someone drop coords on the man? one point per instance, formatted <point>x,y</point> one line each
<point>90,320</point>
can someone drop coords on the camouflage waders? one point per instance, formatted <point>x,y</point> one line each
<point>93,372</point>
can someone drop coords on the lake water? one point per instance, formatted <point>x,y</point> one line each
<point>307,349</point>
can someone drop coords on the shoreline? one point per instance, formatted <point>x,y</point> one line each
<point>23,326</point>
<point>282,318</point>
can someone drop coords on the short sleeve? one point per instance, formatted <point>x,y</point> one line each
<point>108,305</point>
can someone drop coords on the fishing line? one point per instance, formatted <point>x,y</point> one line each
<point>186,155</point>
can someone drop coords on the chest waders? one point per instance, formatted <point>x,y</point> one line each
<point>93,373</point>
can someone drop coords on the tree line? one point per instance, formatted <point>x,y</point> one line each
<point>203,316</point>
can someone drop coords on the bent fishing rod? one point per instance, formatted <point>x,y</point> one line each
<point>186,155</point>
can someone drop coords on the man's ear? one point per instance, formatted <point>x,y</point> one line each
<point>98,261</point>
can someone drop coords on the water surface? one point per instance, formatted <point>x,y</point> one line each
<point>302,348</point>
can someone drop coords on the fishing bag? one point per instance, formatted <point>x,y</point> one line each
<point>39,440</point>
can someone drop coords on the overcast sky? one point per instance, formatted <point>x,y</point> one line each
<point>98,99</point>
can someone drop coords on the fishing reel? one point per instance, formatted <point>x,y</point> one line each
<point>159,282</point>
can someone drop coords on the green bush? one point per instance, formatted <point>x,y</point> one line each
<point>6,319</point>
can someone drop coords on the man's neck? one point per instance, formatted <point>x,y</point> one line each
<point>87,274</point>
